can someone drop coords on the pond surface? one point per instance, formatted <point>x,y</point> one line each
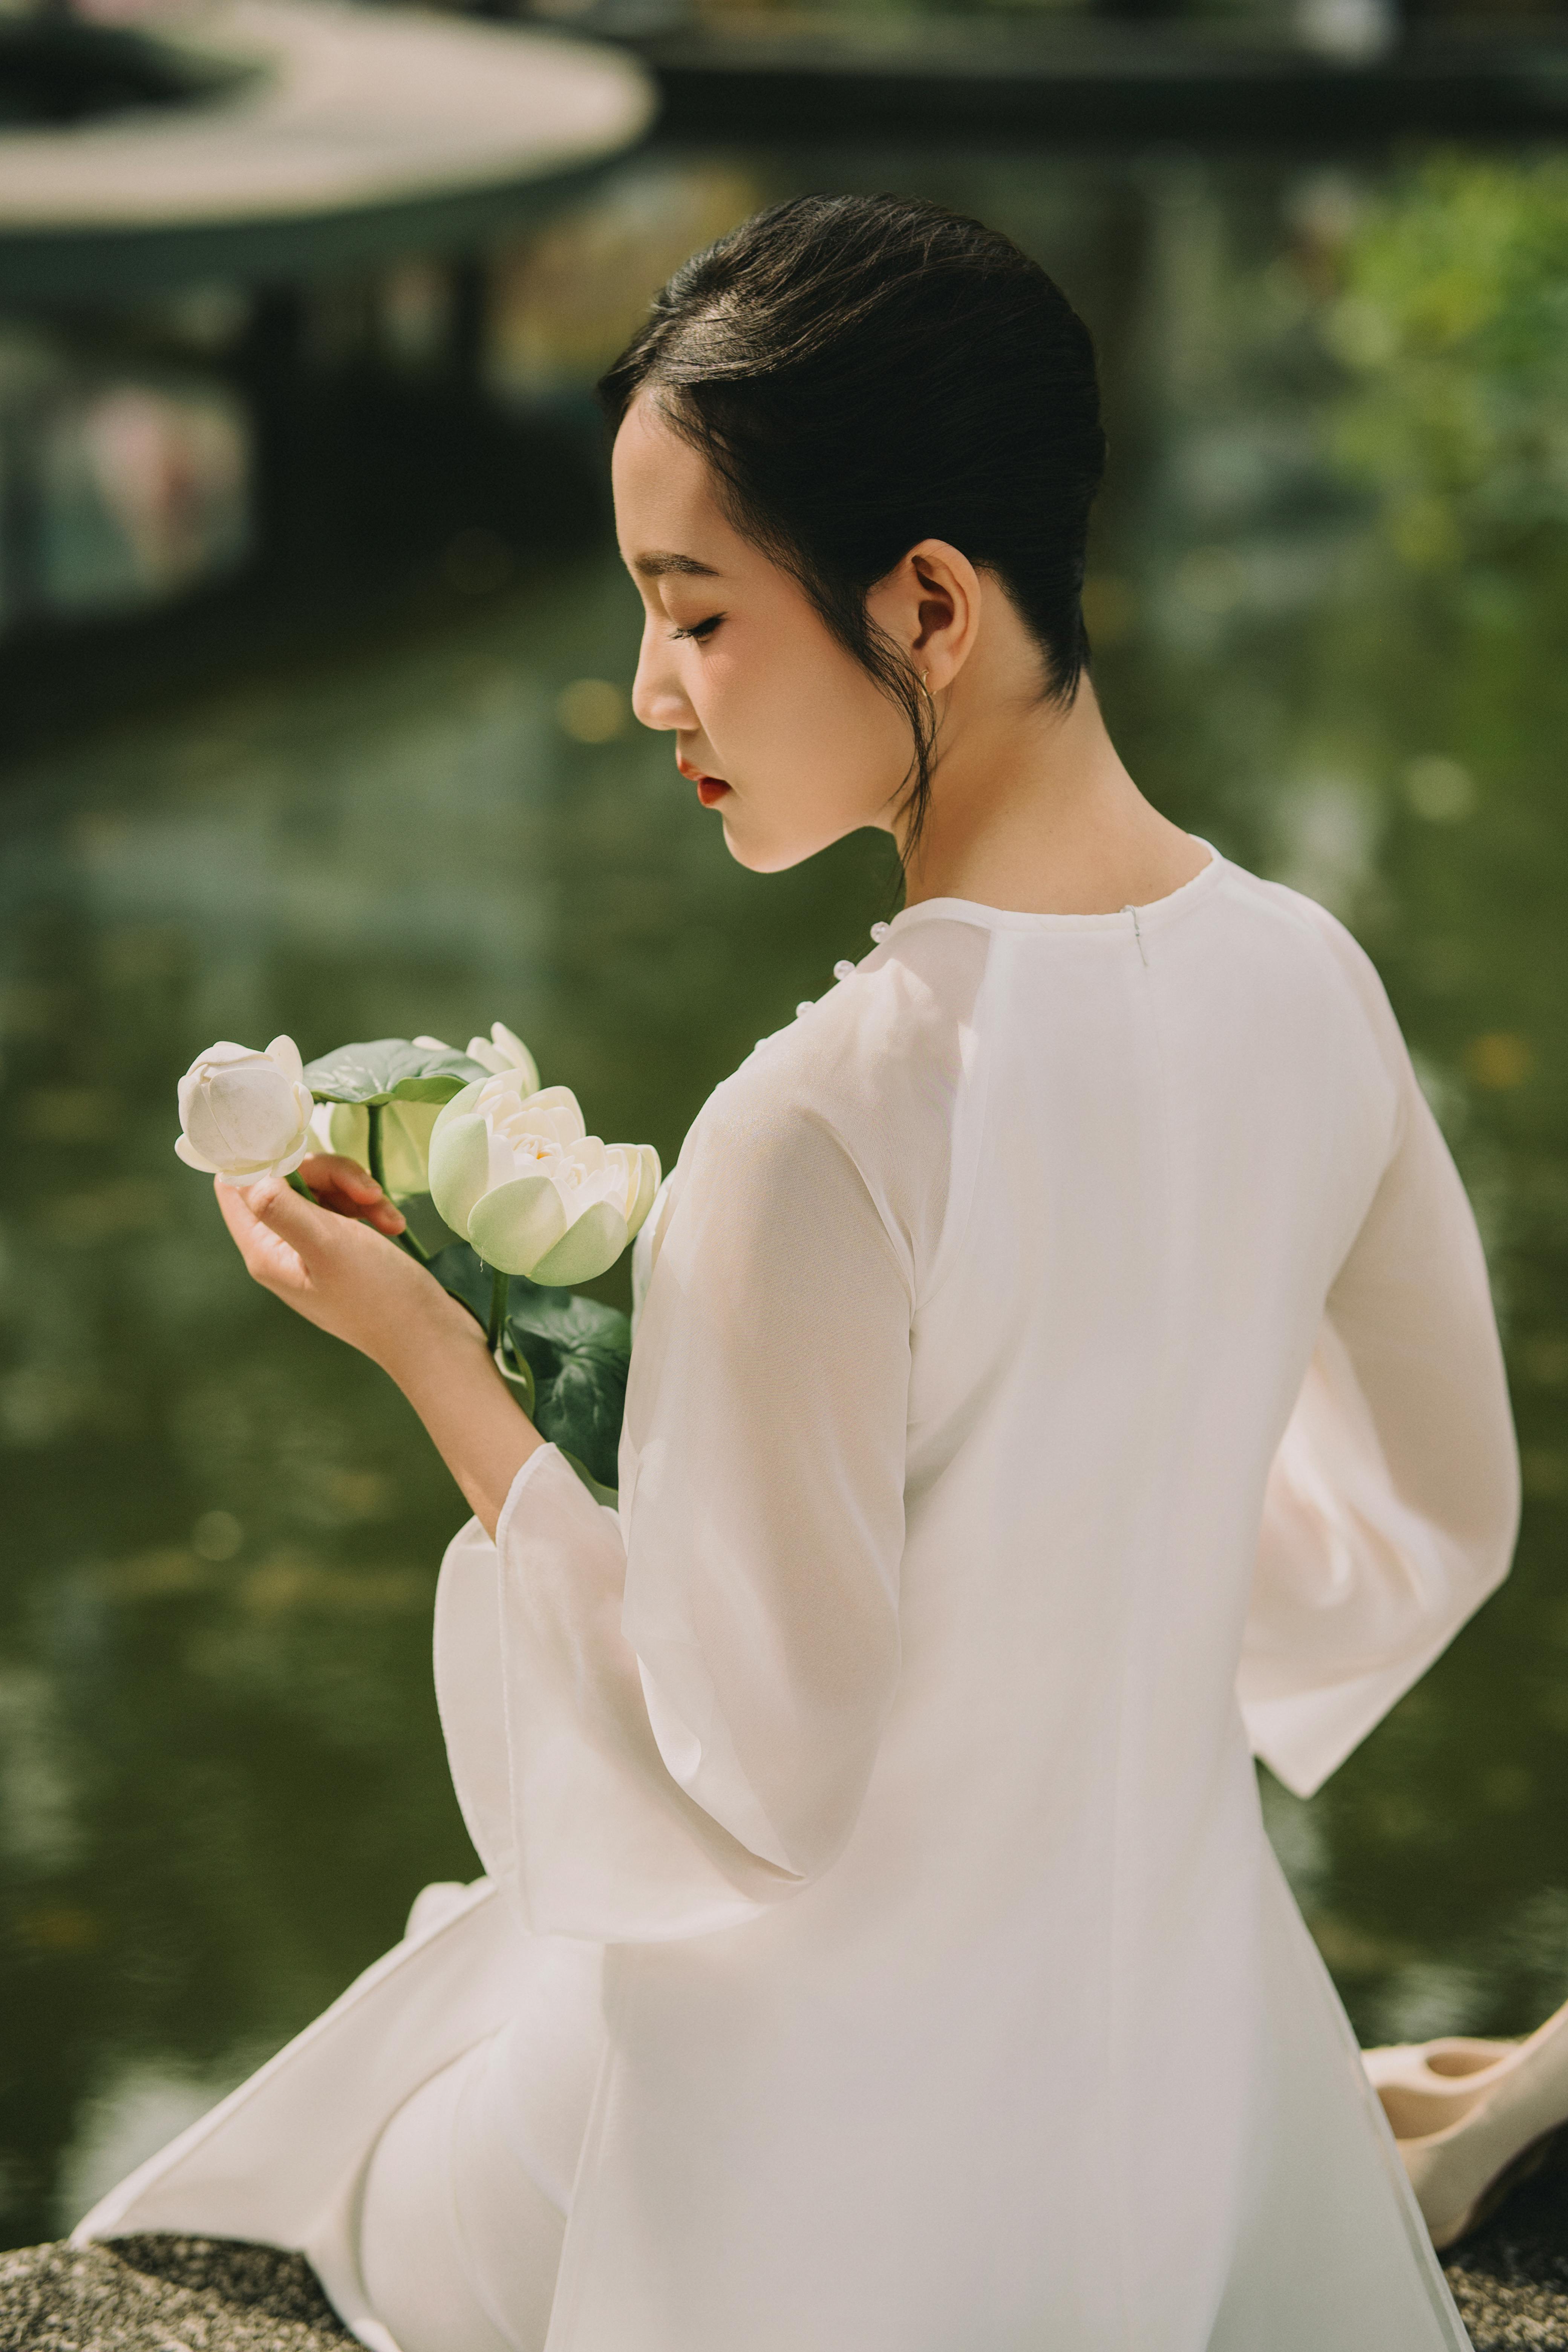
<point>1326,589</point>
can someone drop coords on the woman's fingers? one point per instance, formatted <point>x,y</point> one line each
<point>333,1171</point>
<point>272,1256</point>
<point>348,1190</point>
<point>276,1205</point>
<point>337,1271</point>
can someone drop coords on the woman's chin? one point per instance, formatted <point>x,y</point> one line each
<point>746,853</point>
<point>759,842</point>
<point>765,856</point>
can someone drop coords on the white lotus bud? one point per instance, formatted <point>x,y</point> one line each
<point>515,1172</point>
<point>245,1115</point>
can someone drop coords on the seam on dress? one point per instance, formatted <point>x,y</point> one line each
<point>582,2218</point>
<point>1124,2232</point>
<point>793,1880</point>
<point>461,2085</point>
<point>514,1492</point>
<point>1261,899</point>
<point>825,1125</point>
<point>981,916</point>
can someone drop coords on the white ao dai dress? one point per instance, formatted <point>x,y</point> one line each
<point>1066,1367</point>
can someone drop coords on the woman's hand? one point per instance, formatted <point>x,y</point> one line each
<point>348,1190</point>
<point>331,1266</point>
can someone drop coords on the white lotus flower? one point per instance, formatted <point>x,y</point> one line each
<point>504,1050</point>
<point>405,1127</point>
<point>245,1115</point>
<point>516,1171</point>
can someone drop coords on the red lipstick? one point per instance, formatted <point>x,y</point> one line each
<point>711,789</point>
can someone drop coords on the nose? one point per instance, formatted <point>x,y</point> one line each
<point>659,699</point>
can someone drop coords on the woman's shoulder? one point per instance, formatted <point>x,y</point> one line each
<point>1324,954</point>
<point>877,1069</point>
<point>883,1049</point>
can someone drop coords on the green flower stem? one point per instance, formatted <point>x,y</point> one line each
<point>497,1306</point>
<point>300,1185</point>
<point>517,1374</point>
<point>405,1240</point>
<point>377,1167</point>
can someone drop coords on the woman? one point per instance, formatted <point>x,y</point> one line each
<point>1065,1368</point>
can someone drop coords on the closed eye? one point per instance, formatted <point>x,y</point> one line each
<point>700,629</point>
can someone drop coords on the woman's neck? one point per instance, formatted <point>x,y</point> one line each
<point>1031,809</point>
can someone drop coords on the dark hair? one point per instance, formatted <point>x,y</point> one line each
<point>863,373</point>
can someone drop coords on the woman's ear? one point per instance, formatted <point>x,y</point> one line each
<point>929,602</point>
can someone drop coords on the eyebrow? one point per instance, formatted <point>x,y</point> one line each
<point>657,566</point>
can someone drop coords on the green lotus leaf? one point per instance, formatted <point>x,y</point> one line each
<point>459,1166</point>
<point>391,1069</point>
<point>582,1407</point>
<point>518,1224</point>
<point>570,1323</point>
<point>581,1352</point>
<point>588,1247</point>
<point>578,1350</point>
<point>461,1270</point>
<point>600,1492</point>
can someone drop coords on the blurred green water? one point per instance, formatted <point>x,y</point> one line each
<point>1327,594</point>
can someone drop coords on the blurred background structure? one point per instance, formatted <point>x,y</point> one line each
<point>313,663</point>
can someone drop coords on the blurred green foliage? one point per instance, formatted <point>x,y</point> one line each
<point>1453,321</point>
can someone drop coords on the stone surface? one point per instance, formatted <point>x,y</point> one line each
<point>162,2293</point>
<point>1510,2278</point>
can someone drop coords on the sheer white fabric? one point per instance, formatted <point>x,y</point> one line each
<point>459,2243</point>
<point>889,1749</point>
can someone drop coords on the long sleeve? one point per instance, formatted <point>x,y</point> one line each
<point>1393,1502</point>
<point>695,1686</point>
